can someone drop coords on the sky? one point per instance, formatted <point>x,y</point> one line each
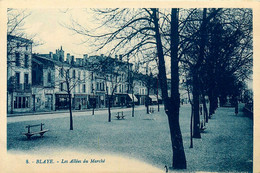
<point>47,24</point>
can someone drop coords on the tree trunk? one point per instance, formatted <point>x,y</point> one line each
<point>211,109</point>
<point>195,73</point>
<point>236,105</point>
<point>109,109</point>
<point>70,108</point>
<point>179,158</point>
<point>12,102</point>
<point>205,109</point>
<point>196,104</point>
<point>147,101</point>
<point>191,118</point>
<point>172,111</point>
<point>158,95</point>
<point>133,104</point>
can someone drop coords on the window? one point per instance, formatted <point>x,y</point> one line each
<point>120,88</point>
<point>79,75</point>
<point>17,59</point>
<point>49,77</point>
<point>26,60</point>
<point>17,78</point>
<point>74,74</point>
<point>61,72</point>
<point>26,80</point>
<point>84,76</point>
<point>97,86</point>
<point>84,88</point>
<point>78,88</point>
<point>61,86</point>
<point>101,86</point>
<point>92,88</point>
<point>21,102</point>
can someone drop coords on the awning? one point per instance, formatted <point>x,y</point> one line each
<point>135,99</point>
<point>154,97</point>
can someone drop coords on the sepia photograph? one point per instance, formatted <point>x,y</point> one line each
<point>128,89</point>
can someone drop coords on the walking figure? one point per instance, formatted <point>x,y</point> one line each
<point>200,109</point>
<point>166,169</point>
<point>236,107</point>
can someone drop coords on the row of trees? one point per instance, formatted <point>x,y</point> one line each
<point>212,47</point>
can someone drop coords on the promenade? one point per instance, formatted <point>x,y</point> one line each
<point>225,146</point>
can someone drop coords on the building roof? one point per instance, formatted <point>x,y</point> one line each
<point>12,37</point>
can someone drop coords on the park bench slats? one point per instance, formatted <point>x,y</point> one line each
<point>118,116</point>
<point>29,133</point>
<point>34,125</point>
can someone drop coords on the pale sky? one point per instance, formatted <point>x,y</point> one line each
<point>46,23</point>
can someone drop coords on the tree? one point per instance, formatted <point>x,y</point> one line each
<point>63,76</point>
<point>113,73</point>
<point>139,31</point>
<point>216,43</point>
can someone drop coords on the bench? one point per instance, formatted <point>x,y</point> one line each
<point>118,116</point>
<point>151,110</point>
<point>29,133</point>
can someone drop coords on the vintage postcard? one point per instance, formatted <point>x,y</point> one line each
<point>129,86</point>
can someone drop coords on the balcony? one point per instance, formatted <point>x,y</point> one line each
<point>23,88</point>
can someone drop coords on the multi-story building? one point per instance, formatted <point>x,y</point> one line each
<point>143,83</point>
<point>43,82</point>
<point>57,79</point>
<point>111,79</point>
<point>19,53</point>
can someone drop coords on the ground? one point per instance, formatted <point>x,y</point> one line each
<point>225,146</point>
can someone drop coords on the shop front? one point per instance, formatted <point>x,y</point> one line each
<point>121,99</point>
<point>92,103</point>
<point>61,101</point>
<point>100,100</point>
<point>80,101</point>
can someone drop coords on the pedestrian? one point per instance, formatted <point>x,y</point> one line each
<point>236,107</point>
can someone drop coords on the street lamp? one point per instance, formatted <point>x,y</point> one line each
<point>93,105</point>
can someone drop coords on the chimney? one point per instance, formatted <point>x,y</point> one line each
<point>81,62</point>
<point>51,55</point>
<point>85,56</point>
<point>72,60</point>
<point>68,59</point>
<point>120,57</point>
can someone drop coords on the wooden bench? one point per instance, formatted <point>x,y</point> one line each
<point>151,110</point>
<point>29,133</point>
<point>118,116</point>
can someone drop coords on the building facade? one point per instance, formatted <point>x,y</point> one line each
<point>19,54</point>
<point>43,82</point>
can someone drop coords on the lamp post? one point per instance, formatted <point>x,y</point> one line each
<point>93,103</point>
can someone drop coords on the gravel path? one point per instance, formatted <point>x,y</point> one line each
<point>225,146</point>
